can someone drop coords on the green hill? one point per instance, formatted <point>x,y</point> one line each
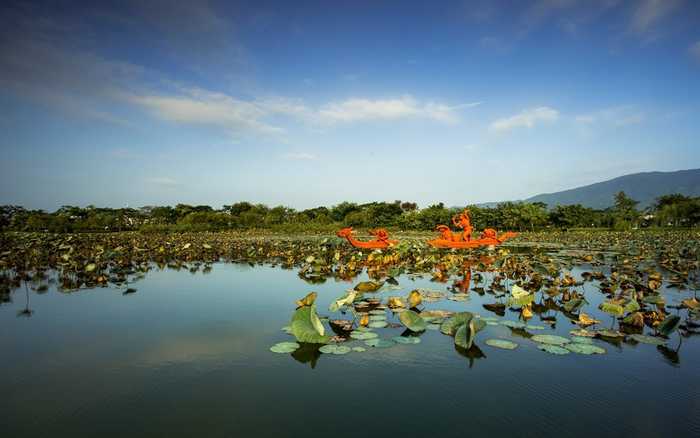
<point>644,187</point>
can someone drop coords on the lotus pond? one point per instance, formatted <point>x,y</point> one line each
<point>220,335</point>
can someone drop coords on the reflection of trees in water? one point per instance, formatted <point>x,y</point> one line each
<point>27,311</point>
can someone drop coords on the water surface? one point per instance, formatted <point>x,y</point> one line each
<point>188,355</point>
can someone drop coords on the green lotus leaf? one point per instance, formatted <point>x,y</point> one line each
<point>412,321</point>
<point>574,305</point>
<point>644,339</point>
<point>612,308</point>
<point>307,327</point>
<point>535,327</point>
<point>553,349</point>
<point>452,324</point>
<point>607,333</point>
<point>406,339</point>
<point>550,339</point>
<point>369,286</point>
<point>581,340</point>
<point>654,299</point>
<point>669,325</point>
<point>362,335</point>
<point>359,349</point>
<point>513,324</point>
<point>377,324</point>
<point>377,312</point>
<point>380,343</point>
<point>334,349</point>
<point>377,317</point>
<point>502,343</point>
<point>284,347</point>
<point>464,337</point>
<point>631,306</point>
<point>580,348</point>
<point>344,300</point>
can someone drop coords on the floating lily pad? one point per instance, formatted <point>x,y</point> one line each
<point>669,325</point>
<point>287,329</point>
<point>377,324</point>
<point>513,324</point>
<point>553,349</point>
<point>581,340</point>
<point>412,321</point>
<point>334,349</point>
<point>284,347</point>
<point>406,339</point>
<point>380,343</point>
<point>432,326</point>
<point>535,327</point>
<point>363,335</point>
<point>359,349</point>
<point>583,333</point>
<point>584,348</point>
<point>345,300</point>
<point>502,343</point>
<point>550,339</point>
<point>607,333</point>
<point>644,339</point>
<point>377,312</point>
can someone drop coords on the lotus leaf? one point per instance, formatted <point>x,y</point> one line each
<point>345,300</point>
<point>369,286</point>
<point>377,324</point>
<point>308,300</point>
<point>414,298</point>
<point>334,349</point>
<point>284,347</point>
<point>450,325</point>
<point>307,327</point>
<point>412,321</point>
<point>582,348</point>
<point>553,349</point>
<point>513,324</point>
<point>669,325</point>
<point>363,335</point>
<point>406,339</point>
<point>464,337</point>
<point>550,339</point>
<point>612,308</point>
<point>644,339</point>
<point>502,343</point>
<point>380,343</point>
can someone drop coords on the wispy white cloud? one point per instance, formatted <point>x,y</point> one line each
<point>649,12</point>
<point>614,116</point>
<point>358,109</point>
<point>196,106</point>
<point>527,118</point>
<point>299,156</point>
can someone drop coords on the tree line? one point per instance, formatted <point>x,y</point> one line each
<point>674,210</point>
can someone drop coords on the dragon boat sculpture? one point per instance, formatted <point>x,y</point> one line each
<point>381,239</point>
<point>447,239</point>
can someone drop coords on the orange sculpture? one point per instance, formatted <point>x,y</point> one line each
<point>448,239</point>
<point>381,239</point>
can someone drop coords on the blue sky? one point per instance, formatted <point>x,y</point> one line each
<point>312,103</point>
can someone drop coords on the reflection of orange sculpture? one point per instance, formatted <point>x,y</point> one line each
<point>381,238</point>
<point>448,239</point>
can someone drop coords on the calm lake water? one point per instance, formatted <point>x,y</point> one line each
<point>188,355</point>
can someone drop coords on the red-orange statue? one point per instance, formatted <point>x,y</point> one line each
<point>381,239</point>
<point>448,239</point>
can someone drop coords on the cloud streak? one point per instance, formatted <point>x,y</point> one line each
<point>527,118</point>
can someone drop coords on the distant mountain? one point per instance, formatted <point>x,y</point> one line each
<point>644,187</point>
